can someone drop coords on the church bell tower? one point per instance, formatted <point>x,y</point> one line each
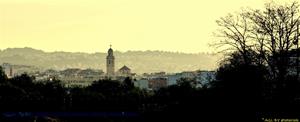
<point>110,63</point>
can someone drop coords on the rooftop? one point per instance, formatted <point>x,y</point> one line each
<point>124,68</point>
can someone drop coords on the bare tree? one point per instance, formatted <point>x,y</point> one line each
<point>234,32</point>
<point>270,33</point>
<point>276,27</point>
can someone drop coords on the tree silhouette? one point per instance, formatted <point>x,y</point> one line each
<point>3,77</point>
<point>270,34</point>
<point>239,78</point>
<point>260,46</point>
<point>128,84</point>
<point>22,81</point>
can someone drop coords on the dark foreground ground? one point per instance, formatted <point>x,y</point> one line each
<point>208,112</point>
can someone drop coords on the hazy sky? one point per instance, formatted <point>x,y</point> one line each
<point>92,25</point>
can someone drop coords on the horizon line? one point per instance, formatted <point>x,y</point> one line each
<point>115,50</point>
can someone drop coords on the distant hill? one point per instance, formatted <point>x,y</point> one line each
<point>138,61</point>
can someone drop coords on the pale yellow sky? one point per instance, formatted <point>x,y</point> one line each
<point>91,25</point>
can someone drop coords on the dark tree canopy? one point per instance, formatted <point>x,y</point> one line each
<point>260,45</point>
<point>3,77</point>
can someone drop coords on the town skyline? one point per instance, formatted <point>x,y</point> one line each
<point>80,26</point>
<point>168,61</point>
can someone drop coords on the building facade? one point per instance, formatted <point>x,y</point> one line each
<point>157,83</point>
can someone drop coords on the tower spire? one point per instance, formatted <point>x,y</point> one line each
<point>110,63</point>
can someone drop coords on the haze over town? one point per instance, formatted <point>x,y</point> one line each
<point>139,61</point>
<point>90,26</point>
